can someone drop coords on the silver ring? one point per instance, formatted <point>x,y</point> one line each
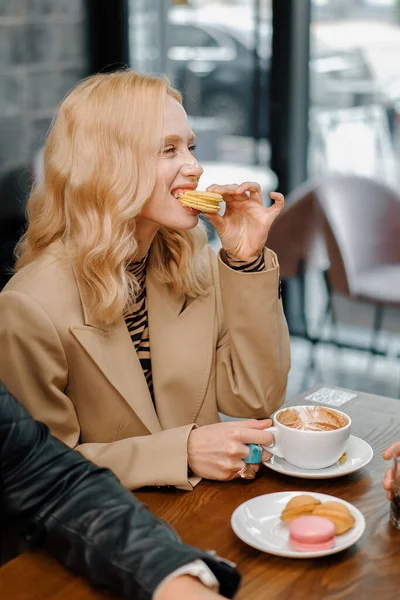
<point>246,472</point>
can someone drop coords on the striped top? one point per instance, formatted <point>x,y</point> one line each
<point>137,322</point>
<point>255,266</point>
<point>137,319</point>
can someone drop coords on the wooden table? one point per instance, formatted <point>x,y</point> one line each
<point>370,569</point>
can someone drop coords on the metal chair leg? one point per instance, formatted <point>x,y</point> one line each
<point>312,363</point>
<point>373,347</point>
<point>314,340</point>
<point>334,337</point>
<point>378,318</point>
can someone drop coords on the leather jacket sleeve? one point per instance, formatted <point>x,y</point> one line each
<point>83,516</point>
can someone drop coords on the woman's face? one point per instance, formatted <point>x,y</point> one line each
<point>177,170</point>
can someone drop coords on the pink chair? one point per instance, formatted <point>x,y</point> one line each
<point>352,225</point>
<point>361,225</point>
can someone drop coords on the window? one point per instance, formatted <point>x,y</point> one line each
<point>355,89</point>
<point>207,50</point>
<point>191,36</point>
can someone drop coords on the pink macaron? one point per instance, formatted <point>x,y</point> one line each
<point>311,533</point>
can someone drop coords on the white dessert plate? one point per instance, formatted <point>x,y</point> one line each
<point>257,523</point>
<point>359,454</point>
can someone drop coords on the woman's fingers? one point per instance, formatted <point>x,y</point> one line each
<point>248,189</point>
<point>253,432</point>
<point>254,468</point>
<point>253,436</point>
<point>388,479</point>
<point>215,219</point>
<point>278,204</point>
<point>230,188</point>
<point>265,456</point>
<point>387,482</point>
<point>249,186</point>
<point>387,455</point>
<point>278,198</point>
<point>238,193</point>
<point>254,423</point>
<point>218,451</point>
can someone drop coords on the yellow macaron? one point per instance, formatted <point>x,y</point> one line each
<point>208,202</point>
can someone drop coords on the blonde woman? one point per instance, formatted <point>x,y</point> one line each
<point>121,330</point>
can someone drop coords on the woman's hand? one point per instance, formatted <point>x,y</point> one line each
<point>387,482</point>
<point>244,228</point>
<point>218,451</point>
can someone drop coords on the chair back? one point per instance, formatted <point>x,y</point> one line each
<point>361,222</point>
<point>296,235</point>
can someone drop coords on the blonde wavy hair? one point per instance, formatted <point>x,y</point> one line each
<point>99,171</point>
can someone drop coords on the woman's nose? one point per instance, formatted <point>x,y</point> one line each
<point>192,167</point>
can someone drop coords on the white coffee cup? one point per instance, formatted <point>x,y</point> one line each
<point>309,448</point>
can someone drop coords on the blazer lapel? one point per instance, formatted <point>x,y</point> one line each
<point>182,344</point>
<point>113,352</point>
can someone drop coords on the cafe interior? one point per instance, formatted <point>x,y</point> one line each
<point>303,97</point>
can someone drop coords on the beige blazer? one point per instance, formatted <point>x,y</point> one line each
<point>227,351</point>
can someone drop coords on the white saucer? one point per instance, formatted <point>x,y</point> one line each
<point>359,454</point>
<point>257,522</point>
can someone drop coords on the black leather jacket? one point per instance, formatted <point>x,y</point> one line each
<point>83,516</point>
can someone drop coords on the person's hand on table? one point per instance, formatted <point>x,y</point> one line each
<point>218,451</point>
<point>387,482</point>
<point>244,228</point>
<point>185,587</point>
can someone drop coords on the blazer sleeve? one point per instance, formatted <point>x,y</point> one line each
<point>84,517</point>
<point>253,352</point>
<point>34,368</point>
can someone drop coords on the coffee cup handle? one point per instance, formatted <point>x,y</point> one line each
<point>275,447</point>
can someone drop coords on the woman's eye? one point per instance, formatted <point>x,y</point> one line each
<point>169,150</point>
<point>192,148</point>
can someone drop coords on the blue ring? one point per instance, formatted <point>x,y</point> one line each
<point>254,457</point>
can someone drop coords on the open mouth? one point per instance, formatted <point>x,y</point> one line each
<point>177,194</point>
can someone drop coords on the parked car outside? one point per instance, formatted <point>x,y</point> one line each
<point>211,60</point>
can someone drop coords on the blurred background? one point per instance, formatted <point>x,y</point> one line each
<point>300,95</point>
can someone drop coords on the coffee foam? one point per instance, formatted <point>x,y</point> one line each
<point>312,418</point>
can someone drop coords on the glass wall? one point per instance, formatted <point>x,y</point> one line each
<point>355,88</point>
<point>354,124</point>
<point>208,51</point>
<point>217,54</point>
<point>42,55</point>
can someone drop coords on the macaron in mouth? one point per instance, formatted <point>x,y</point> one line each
<point>207,202</point>
<point>177,193</point>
